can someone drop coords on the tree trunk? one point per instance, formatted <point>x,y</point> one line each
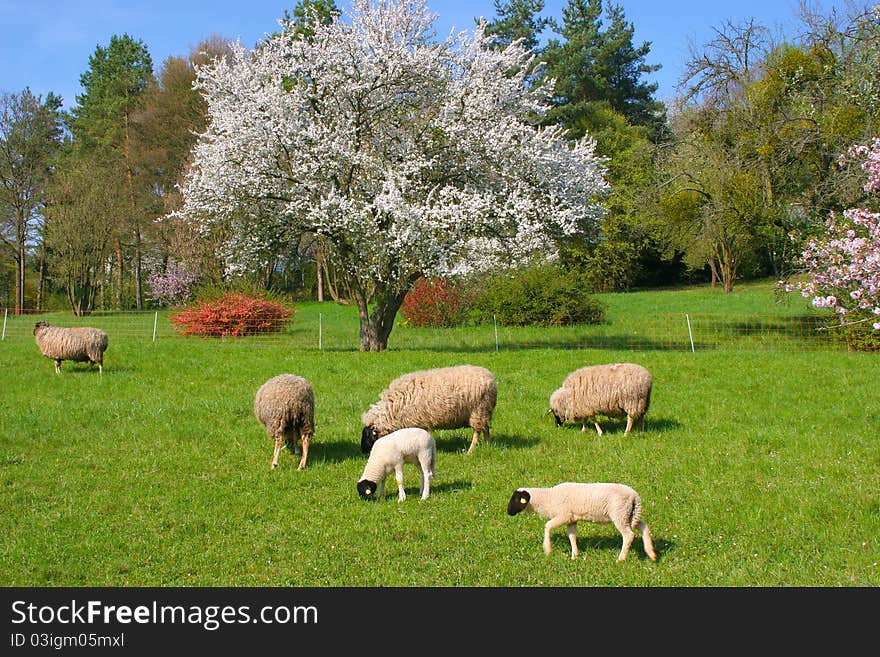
<point>41,275</point>
<point>118,247</point>
<point>320,280</point>
<point>138,255</point>
<point>19,281</point>
<point>375,327</point>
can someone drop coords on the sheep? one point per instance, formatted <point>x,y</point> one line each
<point>285,405</point>
<point>569,502</point>
<point>442,398</point>
<point>78,344</point>
<point>613,390</point>
<point>389,453</point>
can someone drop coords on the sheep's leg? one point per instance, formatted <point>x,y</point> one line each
<point>427,475</point>
<point>57,366</point>
<point>279,440</point>
<point>548,527</point>
<point>628,536</point>
<point>642,423</point>
<point>646,539</point>
<point>598,428</point>
<point>572,538</point>
<point>474,441</point>
<point>629,424</point>
<point>306,438</point>
<point>398,476</point>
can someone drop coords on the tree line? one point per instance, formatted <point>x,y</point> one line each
<point>726,182</point>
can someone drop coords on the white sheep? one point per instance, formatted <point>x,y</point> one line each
<point>568,503</point>
<point>442,398</point>
<point>612,390</point>
<point>389,453</point>
<point>285,405</point>
<point>79,344</point>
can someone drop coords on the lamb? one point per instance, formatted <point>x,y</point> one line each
<point>441,398</point>
<point>389,453</point>
<point>569,502</point>
<point>78,344</point>
<point>285,405</point>
<point>612,390</point>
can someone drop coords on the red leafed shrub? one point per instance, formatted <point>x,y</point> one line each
<point>435,302</point>
<point>232,315</point>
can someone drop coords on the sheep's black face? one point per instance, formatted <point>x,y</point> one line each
<point>367,489</point>
<point>559,420</point>
<point>368,436</point>
<point>518,502</point>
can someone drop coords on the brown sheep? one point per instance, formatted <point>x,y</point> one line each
<point>285,405</point>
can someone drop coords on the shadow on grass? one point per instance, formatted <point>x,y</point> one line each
<point>454,443</point>
<point>334,451</point>
<point>618,426</point>
<point>412,491</point>
<point>608,342</point>
<point>613,544</point>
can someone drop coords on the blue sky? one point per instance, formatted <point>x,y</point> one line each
<point>46,44</point>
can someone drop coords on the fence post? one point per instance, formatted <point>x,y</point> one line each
<point>5,315</point>
<point>690,333</point>
<point>155,322</point>
<point>495,323</point>
<point>320,331</point>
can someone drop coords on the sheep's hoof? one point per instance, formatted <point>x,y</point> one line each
<point>274,465</point>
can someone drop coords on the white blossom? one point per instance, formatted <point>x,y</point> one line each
<point>412,156</point>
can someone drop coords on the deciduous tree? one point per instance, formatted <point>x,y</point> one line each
<point>409,157</point>
<point>30,137</point>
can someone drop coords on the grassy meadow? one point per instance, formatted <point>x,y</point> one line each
<point>760,466</point>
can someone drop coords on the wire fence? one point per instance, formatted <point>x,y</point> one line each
<point>314,330</point>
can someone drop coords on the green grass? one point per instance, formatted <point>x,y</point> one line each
<point>759,467</point>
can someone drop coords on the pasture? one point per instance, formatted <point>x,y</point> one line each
<point>760,465</point>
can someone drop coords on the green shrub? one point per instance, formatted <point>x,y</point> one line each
<point>543,296</point>
<point>859,336</point>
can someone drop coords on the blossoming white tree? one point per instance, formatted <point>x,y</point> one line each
<point>408,156</point>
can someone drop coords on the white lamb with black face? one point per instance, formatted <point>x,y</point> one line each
<point>441,398</point>
<point>389,453</point>
<point>569,502</point>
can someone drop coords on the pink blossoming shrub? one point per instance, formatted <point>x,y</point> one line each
<point>843,266</point>
<point>172,286</point>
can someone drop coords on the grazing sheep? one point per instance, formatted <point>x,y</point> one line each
<point>285,405</point>
<point>612,390</point>
<point>79,344</point>
<point>441,398</point>
<point>389,453</point>
<point>569,503</point>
